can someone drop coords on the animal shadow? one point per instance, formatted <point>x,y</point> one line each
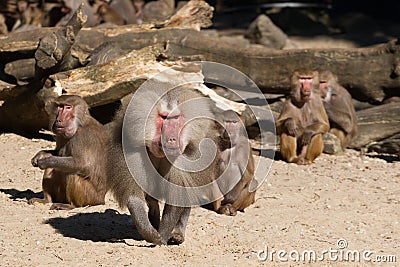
<point>16,194</point>
<point>107,226</point>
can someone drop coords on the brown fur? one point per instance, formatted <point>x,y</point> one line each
<point>303,120</point>
<point>110,15</point>
<point>339,108</point>
<point>75,174</point>
<point>235,164</point>
<point>171,228</point>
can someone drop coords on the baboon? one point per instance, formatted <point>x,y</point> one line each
<point>302,120</point>
<point>126,9</point>
<point>75,172</point>
<point>109,15</point>
<point>235,165</point>
<point>339,108</point>
<point>158,134</point>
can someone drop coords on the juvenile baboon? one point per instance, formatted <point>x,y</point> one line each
<point>75,172</point>
<point>302,120</point>
<point>235,165</point>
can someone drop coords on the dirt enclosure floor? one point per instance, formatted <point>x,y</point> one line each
<point>331,212</point>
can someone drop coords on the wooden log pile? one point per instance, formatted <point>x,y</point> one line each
<point>105,64</point>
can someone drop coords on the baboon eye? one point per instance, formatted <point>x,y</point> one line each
<point>174,117</point>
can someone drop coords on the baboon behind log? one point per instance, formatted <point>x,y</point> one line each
<point>109,15</point>
<point>235,165</point>
<point>303,119</point>
<point>75,174</point>
<point>339,108</point>
<point>126,9</point>
<point>161,137</point>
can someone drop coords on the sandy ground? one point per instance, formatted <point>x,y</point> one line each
<point>343,200</point>
<point>339,208</point>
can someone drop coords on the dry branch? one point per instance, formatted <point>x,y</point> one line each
<point>53,50</point>
<point>195,14</point>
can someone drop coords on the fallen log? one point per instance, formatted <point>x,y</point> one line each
<point>376,124</point>
<point>25,113</point>
<point>50,47</point>
<point>53,52</point>
<point>370,74</point>
<point>389,145</point>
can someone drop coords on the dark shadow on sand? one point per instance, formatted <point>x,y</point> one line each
<point>107,226</point>
<point>17,194</point>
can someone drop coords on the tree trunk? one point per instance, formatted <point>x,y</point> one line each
<point>377,123</point>
<point>370,74</point>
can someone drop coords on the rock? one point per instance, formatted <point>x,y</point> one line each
<point>263,31</point>
<point>332,144</point>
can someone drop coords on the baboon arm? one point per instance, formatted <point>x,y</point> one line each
<point>340,117</point>
<point>313,130</point>
<point>42,154</point>
<point>318,128</point>
<point>65,164</point>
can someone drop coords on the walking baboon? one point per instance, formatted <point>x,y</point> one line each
<point>160,139</point>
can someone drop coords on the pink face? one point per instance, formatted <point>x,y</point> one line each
<point>168,137</point>
<point>64,123</point>
<point>305,84</point>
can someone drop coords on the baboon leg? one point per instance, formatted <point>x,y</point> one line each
<point>315,148</point>
<point>137,208</point>
<point>171,216</point>
<point>82,192</point>
<point>288,147</point>
<point>46,199</point>
<point>217,204</point>
<point>245,199</point>
<point>178,234</point>
<point>344,139</point>
<point>49,185</point>
<point>301,160</point>
<point>154,211</point>
<point>227,209</point>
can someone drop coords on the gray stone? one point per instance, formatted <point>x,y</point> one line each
<point>263,31</point>
<point>332,144</point>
